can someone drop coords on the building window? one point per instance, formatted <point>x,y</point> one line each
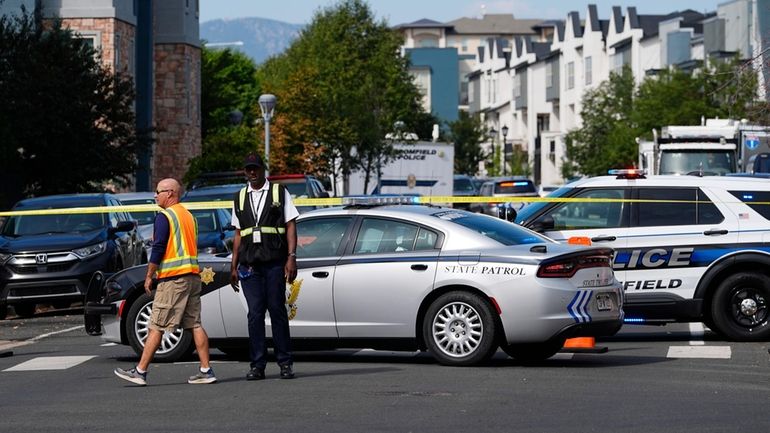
<point>570,75</point>
<point>427,42</point>
<point>91,38</point>
<point>464,47</point>
<point>516,86</point>
<point>117,52</point>
<point>588,70</point>
<point>549,74</point>
<point>421,78</point>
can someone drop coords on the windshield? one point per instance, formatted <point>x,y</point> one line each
<point>296,189</point>
<point>501,231</point>
<point>142,218</point>
<point>526,213</point>
<point>25,225</point>
<point>712,162</point>
<point>463,185</point>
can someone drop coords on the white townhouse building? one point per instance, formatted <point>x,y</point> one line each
<point>532,86</point>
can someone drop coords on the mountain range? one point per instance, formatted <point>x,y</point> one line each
<point>258,38</point>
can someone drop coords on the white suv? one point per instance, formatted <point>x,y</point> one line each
<point>687,248</point>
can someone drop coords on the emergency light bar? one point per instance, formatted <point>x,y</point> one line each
<point>379,201</point>
<point>628,173</point>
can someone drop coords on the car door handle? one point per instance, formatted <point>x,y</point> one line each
<point>604,239</point>
<point>419,267</point>
<point>321,274</point>
<point>715,232</point>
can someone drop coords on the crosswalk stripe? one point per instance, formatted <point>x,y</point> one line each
<point>709,352</point>
<point>50,363</point>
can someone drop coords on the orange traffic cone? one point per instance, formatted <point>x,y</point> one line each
<point>582,345</point>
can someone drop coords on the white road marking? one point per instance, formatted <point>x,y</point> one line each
<point>41,336</point>
<point>711,352</point>
<point>50,363</point>
<point>108,344</point>
<point>696,332</point>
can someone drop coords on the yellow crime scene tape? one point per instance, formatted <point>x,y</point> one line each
<point>339,201</point>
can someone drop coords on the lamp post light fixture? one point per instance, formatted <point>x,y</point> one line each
<point>492,134</point>
<point>267,105</point>
<point>504,130</point>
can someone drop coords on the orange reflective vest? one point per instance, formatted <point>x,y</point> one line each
<point>181,250</point>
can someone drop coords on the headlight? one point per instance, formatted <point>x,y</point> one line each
<point>4,257</point>
<point>90,250</point>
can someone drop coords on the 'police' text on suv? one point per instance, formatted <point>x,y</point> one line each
<point>687,248</point>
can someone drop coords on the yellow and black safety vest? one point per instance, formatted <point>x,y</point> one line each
<point>181,255</point>
<point>271,225</point>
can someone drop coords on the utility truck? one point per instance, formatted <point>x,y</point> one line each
<point>716,147</point>
<point>422,168</point>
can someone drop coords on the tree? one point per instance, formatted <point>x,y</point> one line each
<point>228,85</point>
<point>361,87</point>
<point>467,133</point>
<point>607,138</point>
<point>66,121</point>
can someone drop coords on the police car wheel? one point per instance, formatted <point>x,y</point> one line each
<point>459,329</point>
<point>740,307</point>
<point>533,352</point>
<point>173,345</point>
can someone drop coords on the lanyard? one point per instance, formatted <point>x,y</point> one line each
<point>255,207</point>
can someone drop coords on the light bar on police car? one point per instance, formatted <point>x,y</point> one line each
<point>628,173</point>
<point>379,201</point>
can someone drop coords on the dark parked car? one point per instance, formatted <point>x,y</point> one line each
<point>50,258</point>
<point>505,187</point>
<point>300,186</point>
<point>463,186</point>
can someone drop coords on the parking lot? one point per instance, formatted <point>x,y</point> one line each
<point>673,378</point>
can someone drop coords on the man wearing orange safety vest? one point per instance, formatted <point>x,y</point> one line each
<point>177,301</point>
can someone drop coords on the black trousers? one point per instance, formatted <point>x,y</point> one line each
<point>264,286</point>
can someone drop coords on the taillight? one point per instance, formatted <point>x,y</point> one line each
<point>567,267</point>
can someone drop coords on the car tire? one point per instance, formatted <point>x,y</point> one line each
<point>740,307</point>
<point>24,310</point>
<point>459,328</point>
<point>173,346</point>
<point>528,353</point>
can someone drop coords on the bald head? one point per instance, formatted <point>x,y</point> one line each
<point>168,192</point>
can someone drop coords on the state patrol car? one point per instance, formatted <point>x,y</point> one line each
<point>456,283</point>
<point>687,248</point>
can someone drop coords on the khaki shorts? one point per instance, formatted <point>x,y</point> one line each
<point>177,304</point>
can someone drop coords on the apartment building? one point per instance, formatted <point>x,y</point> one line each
<point>157,43</point>
<point>533,90</point>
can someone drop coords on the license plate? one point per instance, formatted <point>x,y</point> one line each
<point>603,302</point>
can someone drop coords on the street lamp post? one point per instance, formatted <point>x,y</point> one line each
<point>267,104</point>
<point>504,130</point>
<point>492,134</point>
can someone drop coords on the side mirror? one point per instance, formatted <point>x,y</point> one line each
<point>228,228</point>
<point>506,212</point>
<point>543,224</point>
<point>123,226</point>
<point>323,195</point>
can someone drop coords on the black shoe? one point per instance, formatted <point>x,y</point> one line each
<point>286,372</point>
<point>255,374</point>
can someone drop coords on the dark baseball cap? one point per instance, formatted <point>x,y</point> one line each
<point>253,160</point>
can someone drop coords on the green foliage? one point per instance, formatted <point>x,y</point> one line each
<point>607,134</point>
<point>519,162</point>
<point>467,133</point>
<point>228,83</point>
<point>66,122</point>
<point>361,85</point>
<point>614,114</point>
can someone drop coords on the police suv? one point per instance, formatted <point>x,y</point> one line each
<point>687,248</point>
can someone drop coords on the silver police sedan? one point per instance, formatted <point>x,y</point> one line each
<point>400,277</point>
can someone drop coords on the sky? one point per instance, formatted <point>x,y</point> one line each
<point>407,11</point>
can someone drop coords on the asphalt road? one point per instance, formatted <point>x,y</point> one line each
<point>642,384</point>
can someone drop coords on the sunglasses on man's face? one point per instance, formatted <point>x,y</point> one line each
<point>159,192</point>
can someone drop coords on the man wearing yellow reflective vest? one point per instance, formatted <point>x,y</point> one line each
<point>263,261</point>
<point>177,301</point>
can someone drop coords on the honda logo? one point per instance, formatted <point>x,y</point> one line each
<point>41,259</point>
